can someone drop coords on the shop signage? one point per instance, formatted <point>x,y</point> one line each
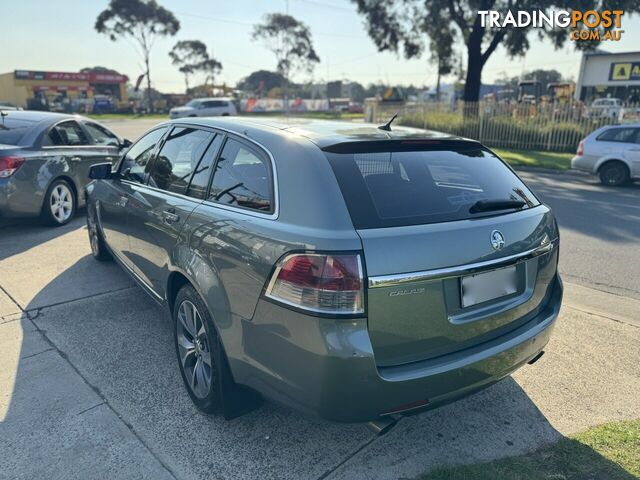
<point>627,71</point>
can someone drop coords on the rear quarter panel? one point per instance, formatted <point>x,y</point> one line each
<point>231,254</point>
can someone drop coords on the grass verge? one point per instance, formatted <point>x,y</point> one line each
<point>553,160</point>
<point>608,452</point>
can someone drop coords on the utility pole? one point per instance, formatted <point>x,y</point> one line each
<point>286,73</point>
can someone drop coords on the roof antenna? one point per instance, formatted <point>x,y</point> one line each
<point>387,126</point>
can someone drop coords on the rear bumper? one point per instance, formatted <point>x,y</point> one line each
<point>584,163</point>
<point>327,368</point>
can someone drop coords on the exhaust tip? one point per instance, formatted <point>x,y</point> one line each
<point>536,358</point>
<point>382,425</point>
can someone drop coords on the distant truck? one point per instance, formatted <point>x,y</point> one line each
<point>529,91</point>
<point>561,91</point>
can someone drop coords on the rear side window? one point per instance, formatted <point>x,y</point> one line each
<point>202,173</point>
<point>68,133</point>
<point>242,178</point>
<point>625,135</point>
<point>178,158</point>
<point>215,103</point>
<point>388,189</point>
<point>101,136</point>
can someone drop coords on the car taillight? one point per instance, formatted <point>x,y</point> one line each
<point>320,283</point>
<point>580,151</point>
<point>9,165</point>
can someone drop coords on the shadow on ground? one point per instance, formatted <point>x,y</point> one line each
<point>95,391</point>
<point>20,235</point>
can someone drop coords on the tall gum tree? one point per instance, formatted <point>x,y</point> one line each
<point>405,24</point>
<point>142,21</point>
<point>290,41</point>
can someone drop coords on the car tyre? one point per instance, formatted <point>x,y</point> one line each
<point>59,205</point>
<point>99,248</point>
<point>200,355</point>
<point>614,174</point>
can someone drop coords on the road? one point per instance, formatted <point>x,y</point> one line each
<point>600,230</point>
<point>90,388</point>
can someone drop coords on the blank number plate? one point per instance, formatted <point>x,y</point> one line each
<point>487,286</point>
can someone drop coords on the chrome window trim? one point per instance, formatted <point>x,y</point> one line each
<point>381,281</point>
<point>246,211</point>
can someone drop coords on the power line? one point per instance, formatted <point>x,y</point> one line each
<point>251,24</point>
<point>326,5</point>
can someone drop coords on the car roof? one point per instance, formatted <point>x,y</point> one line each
<point>323,133</point>
<point>199,99</point>
<point>36,116</point>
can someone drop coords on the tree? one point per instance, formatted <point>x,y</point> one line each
<point>545,77</point>
<point>441,51</point>
<point>357,92</point>
<point>392,26</point>
<point>290,41</point>
<point>210,67</point>
<point>99,69</point>
<point>141,21</point>
<point>187,55</point>
<point>261,81</point>
<point>191,56</point>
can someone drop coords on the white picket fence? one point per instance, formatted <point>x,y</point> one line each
<point>556,127</point>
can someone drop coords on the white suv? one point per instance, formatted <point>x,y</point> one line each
<point>205,107</point>
<point>612,153</point>
<point>605,108</point>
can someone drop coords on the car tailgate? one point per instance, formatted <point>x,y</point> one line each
<point>414,297</point>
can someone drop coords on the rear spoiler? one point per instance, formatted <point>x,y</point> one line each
<point>407,145</point>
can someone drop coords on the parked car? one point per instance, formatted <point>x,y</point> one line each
<point>341,269</point>
<point>605,108</point>
<point>611,152</point>
<point>45,159</point>
<point>205,107</point>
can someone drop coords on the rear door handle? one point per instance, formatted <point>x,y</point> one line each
<point>108,159</point>
<point>76,159</point>
<point>170,216</point>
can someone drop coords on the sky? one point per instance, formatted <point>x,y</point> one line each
<point>59,36</point>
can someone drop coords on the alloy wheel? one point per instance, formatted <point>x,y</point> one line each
<point>61,203</point>
<point>194,349</point>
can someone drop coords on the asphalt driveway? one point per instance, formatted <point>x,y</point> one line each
<point>90,387</point>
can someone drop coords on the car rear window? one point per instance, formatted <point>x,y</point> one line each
<point>388,189</point>
<point>12,131</point>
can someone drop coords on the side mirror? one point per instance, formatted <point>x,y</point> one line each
<point>100,171</point>
<point>126,143</point>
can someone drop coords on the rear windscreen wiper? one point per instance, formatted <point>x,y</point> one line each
<point>490,205</point>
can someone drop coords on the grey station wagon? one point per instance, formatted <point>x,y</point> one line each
<point>346,270</point>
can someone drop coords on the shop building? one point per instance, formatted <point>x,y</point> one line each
<point>609,75</point>
<point>64,91</point>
